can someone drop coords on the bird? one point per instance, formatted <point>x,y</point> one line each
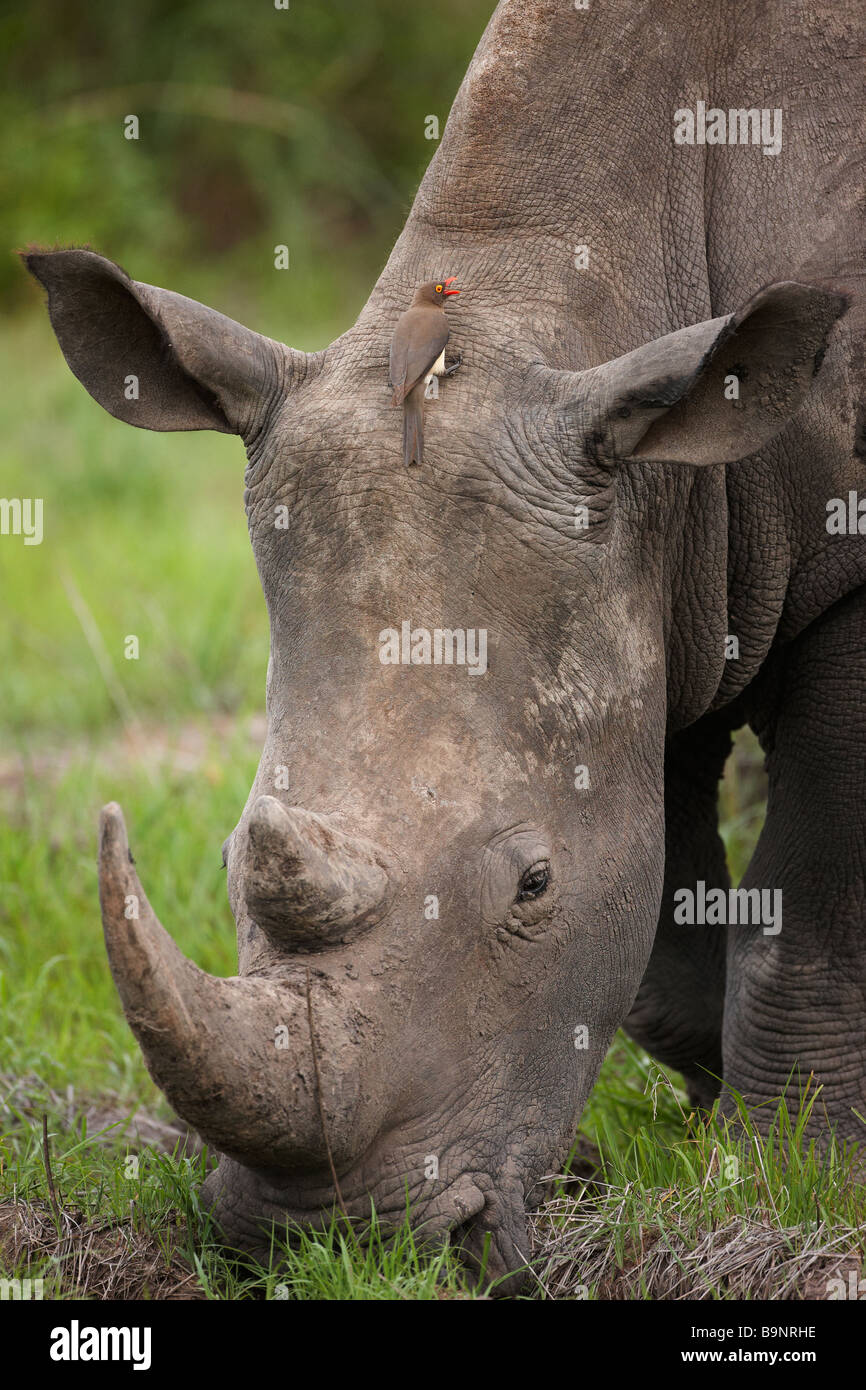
<point>418,353</point>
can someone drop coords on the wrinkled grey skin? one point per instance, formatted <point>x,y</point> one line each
<point>455,1036</point>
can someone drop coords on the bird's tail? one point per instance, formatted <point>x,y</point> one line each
<point>413,426</point>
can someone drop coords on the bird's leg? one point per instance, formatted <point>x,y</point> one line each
<point>449,371</point>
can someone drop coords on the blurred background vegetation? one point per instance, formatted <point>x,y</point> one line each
<point>258,127</point>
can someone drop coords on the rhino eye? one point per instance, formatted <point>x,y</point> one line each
<point>534,882</point>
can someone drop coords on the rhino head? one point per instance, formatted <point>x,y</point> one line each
<point>447,876</point>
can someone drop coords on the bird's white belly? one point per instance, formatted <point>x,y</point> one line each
<point>438,366</point>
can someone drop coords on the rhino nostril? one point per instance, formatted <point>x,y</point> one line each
<point>307,884</point>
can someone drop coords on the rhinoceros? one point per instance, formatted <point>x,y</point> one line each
<point>454,880</point>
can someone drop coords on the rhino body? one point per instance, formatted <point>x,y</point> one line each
<point>473,877</point>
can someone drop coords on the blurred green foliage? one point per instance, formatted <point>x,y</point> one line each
<point>258,127</point>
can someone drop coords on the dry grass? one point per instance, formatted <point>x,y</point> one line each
<point>96,1260</point>
<point>575,1245</point>
<point>77,1256</point>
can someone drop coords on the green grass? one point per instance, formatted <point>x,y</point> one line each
<point>143,532</point>
<point>59,1010</point>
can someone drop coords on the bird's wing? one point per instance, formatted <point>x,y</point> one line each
<point>418,340</point>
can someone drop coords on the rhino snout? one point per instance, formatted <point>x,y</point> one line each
<point>307,884</point>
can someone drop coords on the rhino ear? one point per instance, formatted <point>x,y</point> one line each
<point>153,358</point>
<point>717,391</point>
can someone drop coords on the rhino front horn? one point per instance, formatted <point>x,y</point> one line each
<point>307,884</point>
<point>209,1043</point>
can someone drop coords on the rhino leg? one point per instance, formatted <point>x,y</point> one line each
<point>677,1014</point>
<point>796,999</point>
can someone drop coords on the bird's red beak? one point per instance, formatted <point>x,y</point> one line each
<point>446,283</point>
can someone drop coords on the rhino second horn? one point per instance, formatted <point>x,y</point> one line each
<point>209,1042</point>
<point>307,884</point>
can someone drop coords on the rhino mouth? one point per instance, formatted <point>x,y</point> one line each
<point>248,1202</point>
<point>251,1207</point>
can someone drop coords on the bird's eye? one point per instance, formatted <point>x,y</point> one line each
<point>534,882</point>
<point>439,289</point>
